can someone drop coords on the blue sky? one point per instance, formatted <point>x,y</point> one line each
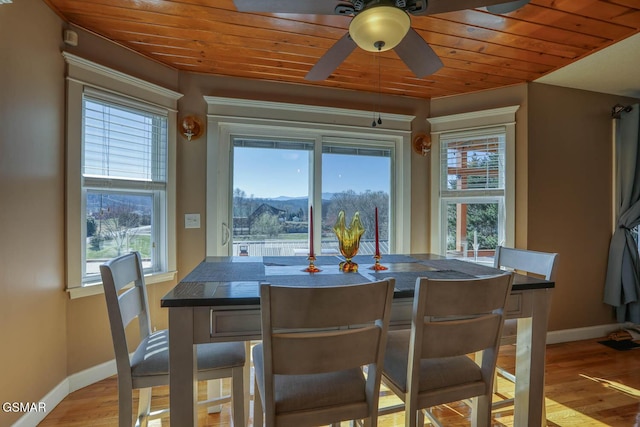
<point>271,173</point>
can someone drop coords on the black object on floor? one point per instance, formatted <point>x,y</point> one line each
<point>620,345</point>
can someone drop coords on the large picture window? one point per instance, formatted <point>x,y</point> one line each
<point>272,187</point>
<point>270,163</point>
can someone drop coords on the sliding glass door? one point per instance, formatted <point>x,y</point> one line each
<point>273,189</point>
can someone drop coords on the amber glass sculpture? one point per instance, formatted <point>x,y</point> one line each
<point>349,240</point>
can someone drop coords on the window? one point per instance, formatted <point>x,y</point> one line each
<point>356,178</point>
<point>271,193</point>
<point>270,196</point>
<point>281,159</point>
<point>120,186</point>
<point>472,192</point>
<point>124,181</point>
<point>472,185</point>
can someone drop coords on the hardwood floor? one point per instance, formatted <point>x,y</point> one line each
<point>587,384</point>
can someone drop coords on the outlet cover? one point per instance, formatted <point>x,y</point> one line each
<point>192,220</point>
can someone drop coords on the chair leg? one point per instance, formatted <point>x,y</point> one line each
<point>482,408</point>
<point>237,397</point>
<point>214,391</point>
<point>125,404</point>
<point>144,406</point>
<point>410,418</point>
<point>257,407</point>
<point>426,413</point>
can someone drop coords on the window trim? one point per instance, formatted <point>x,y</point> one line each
<point>232,116</point>
<point>475,120</point>
<point>82,74</point>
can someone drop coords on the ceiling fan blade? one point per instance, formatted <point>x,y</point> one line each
<point>332,59</point>
<point>507,7</point>
<point>443,6</point>
<point>418,55</point>
<point>289,6</point>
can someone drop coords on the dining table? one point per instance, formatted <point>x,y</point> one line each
<point>219,301</point>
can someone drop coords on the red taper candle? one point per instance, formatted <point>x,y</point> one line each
<point>377,237</point>
<point>311,253</point>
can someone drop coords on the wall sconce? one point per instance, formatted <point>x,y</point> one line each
<point>422,144</point>
<point>191,127</point>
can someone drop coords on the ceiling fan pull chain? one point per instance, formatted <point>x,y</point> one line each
<point>373,113</point>
<point>379,94</point>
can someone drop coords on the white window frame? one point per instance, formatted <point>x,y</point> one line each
<point>463,122</point>
<point>83,75</point>
<point>230,116</point>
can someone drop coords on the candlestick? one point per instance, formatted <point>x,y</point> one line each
<point>377,266</point>
<point>312,257</point>
<point>311,252</point>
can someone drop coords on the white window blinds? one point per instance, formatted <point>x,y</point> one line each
<point>472,162</point>
<point>123,140</point>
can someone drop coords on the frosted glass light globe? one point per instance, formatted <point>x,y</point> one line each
<point>379,28</point>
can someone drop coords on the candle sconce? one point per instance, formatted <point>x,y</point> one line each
<point>422,144</point>
<point>191,127</point>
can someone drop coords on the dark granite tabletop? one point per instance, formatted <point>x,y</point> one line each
<point>225,281</point>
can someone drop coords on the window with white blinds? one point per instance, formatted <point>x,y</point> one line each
<point>472,162</point>
<point>472,191</point>
<point>473,183</point>
<point>123,140</point>
<point>124,179</point>
<point>120,174</point>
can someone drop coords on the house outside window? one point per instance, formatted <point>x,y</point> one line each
<point>120,186</point>
<point>472,188</point>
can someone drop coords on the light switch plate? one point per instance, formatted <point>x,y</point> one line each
<point>192,220</point>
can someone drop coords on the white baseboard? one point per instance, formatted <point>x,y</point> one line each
<point>92,375</point>
<point>587,333</point>
<point>51,400</point>
<point>68,385</point>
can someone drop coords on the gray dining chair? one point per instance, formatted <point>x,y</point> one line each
<point>432,363</point>
<point>528,262</point>
<point>316,342</point>
<point>149,365</point>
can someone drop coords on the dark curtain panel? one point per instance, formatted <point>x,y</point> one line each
<point>622,287</point>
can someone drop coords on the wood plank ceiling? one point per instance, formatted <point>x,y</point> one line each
<point>479,50</point>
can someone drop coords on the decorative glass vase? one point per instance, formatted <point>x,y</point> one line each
<point>349,240</point>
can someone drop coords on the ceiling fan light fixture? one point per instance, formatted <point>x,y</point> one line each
<point>379,28</point>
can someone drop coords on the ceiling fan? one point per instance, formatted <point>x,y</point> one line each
<point>377,26</point>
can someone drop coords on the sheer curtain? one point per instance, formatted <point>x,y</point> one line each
<point>622,286</point>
